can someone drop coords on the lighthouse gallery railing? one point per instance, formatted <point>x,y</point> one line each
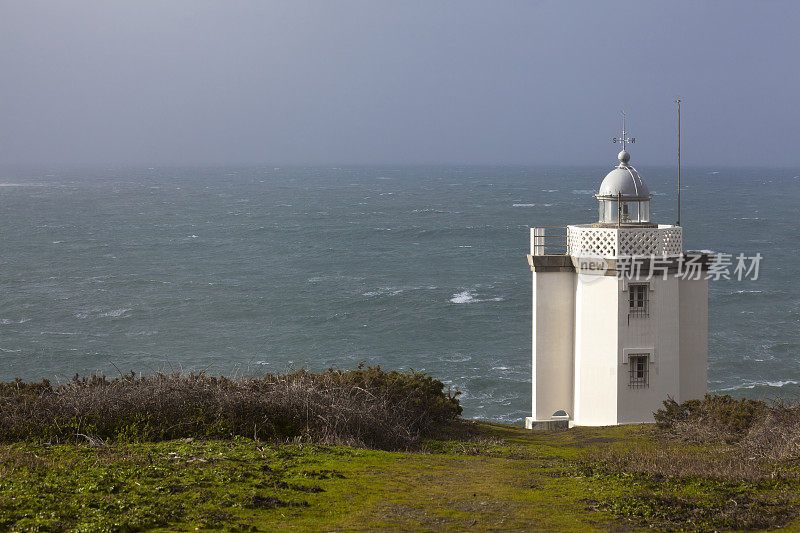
<point>580,241</point>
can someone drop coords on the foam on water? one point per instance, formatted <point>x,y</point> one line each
<point>468,297</point>
<point>7,321</point>
<point>463,297</point>
<point>753,384</point>
<point>115,313</point>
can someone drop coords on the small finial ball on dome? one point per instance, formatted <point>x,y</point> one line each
<point>624,157</point>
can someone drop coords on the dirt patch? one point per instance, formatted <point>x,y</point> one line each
<point>215,518</point>
<point>298,488</point>
<point>411,515</point>
<point>322,474</point>
<point>271,502</point>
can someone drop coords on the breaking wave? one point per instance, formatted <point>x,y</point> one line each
<point>467,297</point>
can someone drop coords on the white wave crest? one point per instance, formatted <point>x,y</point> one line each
<point>782,383</point>
<point>466,297</point>
<point>457,358</point>
<point>462,298</point>
<point>384,291</point>
<point>116,313</point>
<point>7,321</point>
<point>394,291</point>
<point>753,384</point>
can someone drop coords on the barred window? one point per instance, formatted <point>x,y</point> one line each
<point>638,299</point>
<point>639,370</point>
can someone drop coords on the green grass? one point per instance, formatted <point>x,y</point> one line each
<point>493,477</point>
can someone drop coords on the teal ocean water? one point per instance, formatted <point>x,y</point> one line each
<point>267,269</point>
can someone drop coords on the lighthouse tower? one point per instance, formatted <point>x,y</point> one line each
<point>620,312</point>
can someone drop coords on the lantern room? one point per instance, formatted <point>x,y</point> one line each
<point>624,197</point>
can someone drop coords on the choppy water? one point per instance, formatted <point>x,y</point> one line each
<point>265,269</point>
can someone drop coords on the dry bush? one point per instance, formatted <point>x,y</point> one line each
<point>364,407</point>
<point>712,419</point>
<point>760,430</point>
<point>776,435</point>
<point>679,461</point>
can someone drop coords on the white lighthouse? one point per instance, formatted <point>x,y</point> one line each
<point>620,312</point>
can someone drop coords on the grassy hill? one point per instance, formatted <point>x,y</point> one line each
<point>175,453</point>
<point>487,477</point>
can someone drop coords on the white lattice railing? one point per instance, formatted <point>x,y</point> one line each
<point>616,242</point>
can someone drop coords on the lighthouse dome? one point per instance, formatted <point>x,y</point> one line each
<point>624,180</point>
<point>624,197</point>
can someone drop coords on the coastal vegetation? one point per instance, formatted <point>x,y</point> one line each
<point>370,449</point>
<point>366,407</point>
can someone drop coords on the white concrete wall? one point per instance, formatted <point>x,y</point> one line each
<point>656,334</point>
<point>693,339</point>
<point>596,336</point>
<point>553,333</point>
<point>582,336</point>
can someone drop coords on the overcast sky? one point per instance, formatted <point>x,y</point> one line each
<point>194,82</point>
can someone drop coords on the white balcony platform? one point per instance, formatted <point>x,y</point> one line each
<point>583,240</point>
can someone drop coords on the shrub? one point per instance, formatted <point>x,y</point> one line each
<point>775,435</point>
<point>364,407</point>
<point>677,460</point>
<point>713,419</point>
<point>759,430</point>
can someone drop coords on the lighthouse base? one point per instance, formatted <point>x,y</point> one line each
<point>545,425</point>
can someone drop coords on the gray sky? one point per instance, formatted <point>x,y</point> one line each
<point>194,82</point>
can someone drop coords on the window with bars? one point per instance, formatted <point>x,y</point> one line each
<point>638,367</point>
<point>638,296</point>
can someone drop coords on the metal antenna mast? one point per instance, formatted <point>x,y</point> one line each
<point>678,101</point>
<point>624,139</point>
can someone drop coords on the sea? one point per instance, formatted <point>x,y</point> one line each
<point>244,271</point>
